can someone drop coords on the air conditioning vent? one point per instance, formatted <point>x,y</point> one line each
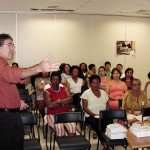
<point>136,13</point>
<point>52,10</point>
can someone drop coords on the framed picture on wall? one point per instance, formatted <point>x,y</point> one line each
<point>125,47</point>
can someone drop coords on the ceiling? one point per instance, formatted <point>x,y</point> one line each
<point>140,8</point>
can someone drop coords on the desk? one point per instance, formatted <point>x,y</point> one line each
<point>136,142</point>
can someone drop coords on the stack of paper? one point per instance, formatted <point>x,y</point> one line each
<point>115,131</point>
<point>139,130</point>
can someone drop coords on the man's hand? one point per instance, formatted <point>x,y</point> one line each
<point>23,105</point>
<point>48,64</point>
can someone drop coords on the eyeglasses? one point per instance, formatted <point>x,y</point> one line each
<point>136,84</point>
<point>10,45</point>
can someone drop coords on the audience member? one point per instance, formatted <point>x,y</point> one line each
<point>22,84</point>
<point>134,100</point>
<point>40,83</point>
<point>61,68</point>
<point>107,67</point>
<point>94,100</point>
<point>83,67</point>
<point>120,67</point>
<point>74,85</point>
<point>86,84</point>
<point>147,88</point>
<point>15,65</point>
<point>92,67</point>
<point>65,74</point>
<point>115,89</point>
<point>58,100</point>
<point>104,78</point>
<point>128,77</point>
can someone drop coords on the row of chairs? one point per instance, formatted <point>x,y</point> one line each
<point>63,142</point>
<point>80,142</point>
<point>30,122</point>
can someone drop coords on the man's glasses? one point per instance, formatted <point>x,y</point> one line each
<point>10,45</point>
<point>136,84</point>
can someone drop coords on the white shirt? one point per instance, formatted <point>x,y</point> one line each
<point>122,75</point>
<point>75,87</point>
<point>148,92</point>
<point>95,104</point>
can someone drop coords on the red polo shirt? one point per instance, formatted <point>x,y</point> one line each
<point>9,76</point>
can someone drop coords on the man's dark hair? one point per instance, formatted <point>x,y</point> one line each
<point>107,63</point>
<point>14,63</point>
<point>4,37</point>
<point>91,66</point>
<point>119,65</point>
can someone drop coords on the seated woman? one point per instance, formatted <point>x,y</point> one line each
<point>104,78</point>
<point>65,74</point>
<point>86,84</point>
<point>74,85</point>
<point>128,77</point>
<point>134,100</point>
<point>94,100</point>
<point>58,100</point>
<point>115,89</point>
<point>83,70</point>
<point>40,83</point>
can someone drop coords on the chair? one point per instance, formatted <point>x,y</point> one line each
<point>34,143</point>
<point>52,131</point>
<point>86,125</point>
<point>24,95</point>
<point>120,103</point>
<point>111,115</point>
<point>70,142</point>
<point>145,112</point>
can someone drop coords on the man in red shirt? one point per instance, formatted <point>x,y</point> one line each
<point>11,129</point>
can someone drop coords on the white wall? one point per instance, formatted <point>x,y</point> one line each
<point>78,38</point>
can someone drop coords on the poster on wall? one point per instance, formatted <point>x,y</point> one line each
<point>125,47</point>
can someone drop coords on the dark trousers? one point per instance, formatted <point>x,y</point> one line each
<point>94,122</point>
<point>11,131</point>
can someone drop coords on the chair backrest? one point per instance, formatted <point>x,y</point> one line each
<point>145,112</point>
<point>29,119</point>
<point>23,91</point>
<point>68,117</point>
<point>112,114</point>
<point>120,103</point>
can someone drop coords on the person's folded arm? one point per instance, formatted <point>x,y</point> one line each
<point>68,100</point>
<point>49,102</point>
